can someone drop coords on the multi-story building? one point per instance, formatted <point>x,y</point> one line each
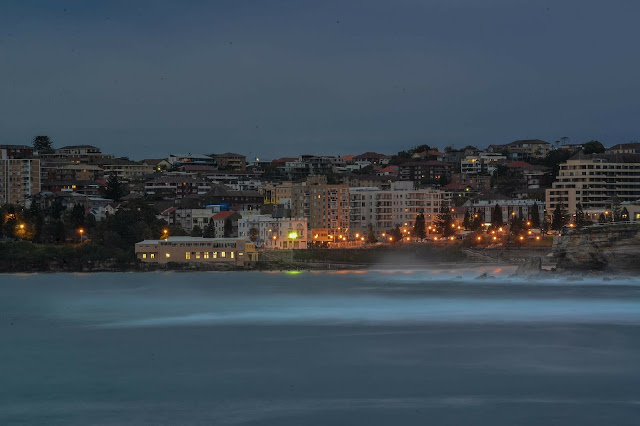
<point>311,165</point>
<point>274,233</point>
<point>177,186</point>
<point>399,204</point>
<point>325,206</point>
<point>15,151</point>
<point>76,154</point>
<point>177,160</point>
<point>425,170</point>
<point>126,170</point>
<point>19,179</point>
<point>278,193</point>
<point>478,182</point>
<point>625,148</point>
<point>484,205</point>
<point>220,219</point>
<point>232,251</point>
<point>596,182</point>
<point>523,149</point>
<point>231,161</point>
<point>77,172</point>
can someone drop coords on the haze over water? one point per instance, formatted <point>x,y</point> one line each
<point>316,348</point>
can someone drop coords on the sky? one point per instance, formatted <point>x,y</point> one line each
<point>280,78</point>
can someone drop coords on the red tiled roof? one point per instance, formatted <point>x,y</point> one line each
<point>168,211</point>
<point>284,160</point>
<point>222,215</point>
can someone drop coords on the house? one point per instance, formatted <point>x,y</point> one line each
<point>219,220</point>
<point>373,158</point>
<point>625,148</point>
<point>158,164</point>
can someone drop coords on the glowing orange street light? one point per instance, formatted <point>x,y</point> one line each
<point>390,238</point>
<point>495,238</point>
<point>81,232</point>
<point>537,238</point>
<point>521,238</point>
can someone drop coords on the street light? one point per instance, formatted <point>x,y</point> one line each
<point>81,232</point>
<point>165,233</point>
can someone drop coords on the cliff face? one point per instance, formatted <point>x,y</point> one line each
<point>612,247</point>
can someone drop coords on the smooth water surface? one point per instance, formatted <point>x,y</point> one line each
<point>319,348</point>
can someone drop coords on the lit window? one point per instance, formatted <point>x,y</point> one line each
<point>187,255</point>
<point>206,254</point>
<point>152,255</point>
<point>232,255</point>
<point>144,255</point>
<point>223,254</point>
<point>215,254</point>
<point>198,255</point>
<point>167,255</point>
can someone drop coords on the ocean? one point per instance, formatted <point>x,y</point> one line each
<point>377,347</point>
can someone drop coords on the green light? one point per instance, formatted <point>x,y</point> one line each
<point>293,235</point>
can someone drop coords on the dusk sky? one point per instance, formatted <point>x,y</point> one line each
<point>281,78</point>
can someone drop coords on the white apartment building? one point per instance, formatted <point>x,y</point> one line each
<point>19,179</point>
<point>275,233</point>
<point>399,205</point>
<point>484,205</point>
<point>595,181</point>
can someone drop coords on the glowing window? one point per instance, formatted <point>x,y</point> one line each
<point>144,255</point>
<point>198,255</point>
<point>187,255</point>
<point>232,255</point>
<point>223,254</point>
<point>206,254</point>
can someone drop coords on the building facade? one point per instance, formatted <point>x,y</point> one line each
<point>273,233</point>
<point>19,180</point>
<point>596,182</point>
<point>231,251</point>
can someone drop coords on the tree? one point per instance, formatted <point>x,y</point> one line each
<point>228,228</point>
<point>196,231</point>
<point>593,147</point>
<point>42,142</point>
<point>115,189</point>
<point>580,218</point>
<point>253,234</point>
<point>395,234</point>
<point>496,216</point>
<point>76,216</point>
<point>371,236</point>
<point>477,222</point>
<point>624,214</point>
<point>467,222</point>
<point>419,229</point>
<point>209,230</point>
<point>535,216</point>
<point>517,225</point>
<point>558,219</point>
<point>444,221</point>
<point>602,218</point>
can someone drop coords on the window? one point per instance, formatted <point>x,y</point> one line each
<point>187,255</point>
<point>215,254</point>
<point>167,255</point>
<point>232,255</point>
<point>206,254</point>
<point>152,255</point>
<point>144,255</point>
<point>198,255</point>
<point>223,254</point>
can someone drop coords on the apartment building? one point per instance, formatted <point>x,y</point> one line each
<point>19,179</point>
<point>524,149</point>
<point>484,205</point>
<point>625,148</point>
<point>325,206</point>
<point>126,170</point>
<point>15,151</point>
<point>232,251</point>
<point>273,233</point>
<point>278,193</point>
<point>231,161</point>
<point>425,170</point>
<point>383,209</point>
<point>596,181</point>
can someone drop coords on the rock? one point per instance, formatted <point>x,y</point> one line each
<point>531,266</point>
<point>485,276</point>
<point>609,247</point>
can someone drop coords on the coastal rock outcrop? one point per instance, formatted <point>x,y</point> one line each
<point>609,247</point>
<point>532,266</point>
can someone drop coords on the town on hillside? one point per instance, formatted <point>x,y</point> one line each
<point>205,207</point>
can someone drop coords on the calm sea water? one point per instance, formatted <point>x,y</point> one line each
<point>328,348</point>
